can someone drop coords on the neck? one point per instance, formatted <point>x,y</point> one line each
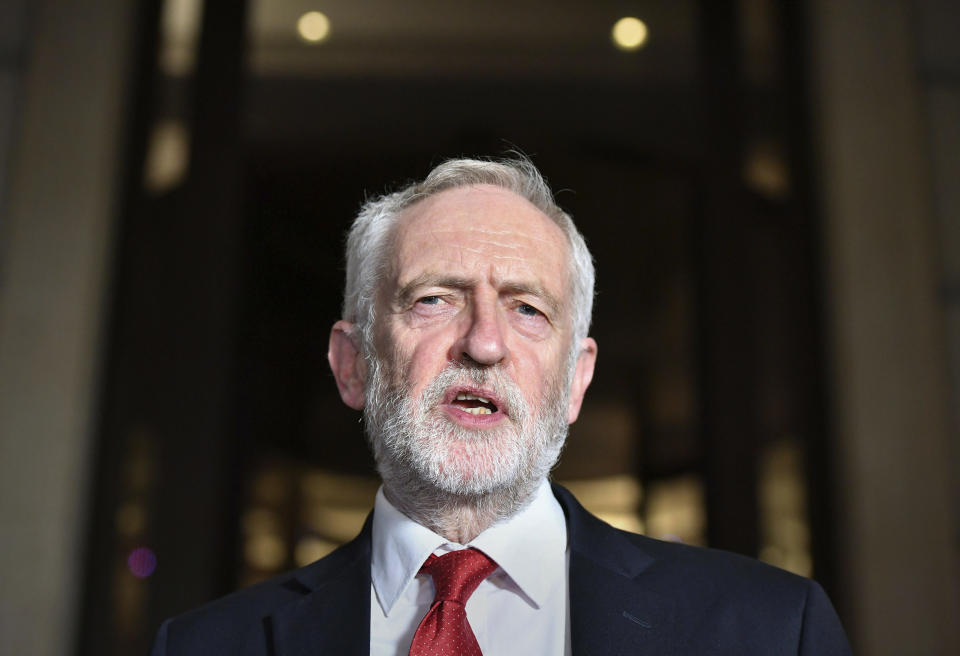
<point>458,518</point>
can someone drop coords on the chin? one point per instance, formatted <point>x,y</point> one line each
<point>470,466</point>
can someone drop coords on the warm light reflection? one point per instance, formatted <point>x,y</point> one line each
<point>784,525</point>
<point>313,27</point>
<point>265,551</point>
<point>168,156</point>
<point>630,33</point>
<point>614,499</point>
<point>312,548</point>
<point>261,520</point>
<point>676,510</point>
<point>325,509</point>
<point>765,169</point>
<point>330,489</point>
<point>179,32</point>
<point>340,524</point>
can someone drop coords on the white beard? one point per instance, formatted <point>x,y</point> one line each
<point>430,464</point>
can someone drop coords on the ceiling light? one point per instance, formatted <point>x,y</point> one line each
<point>630,33</point>
<point>313,27</point>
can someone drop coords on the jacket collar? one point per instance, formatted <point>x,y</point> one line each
<point>333,615</point>
<point>614,609</point>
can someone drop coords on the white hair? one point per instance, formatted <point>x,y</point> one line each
<point>368,241</point>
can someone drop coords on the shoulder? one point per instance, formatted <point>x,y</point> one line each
<point>699,568</point>
<point>715,573</point>
<point>227,623</point>
<point>713,563</point>
<point>222,624</point>
<point>710,598</point>
<point>740,603</point>
<point>239,621</point>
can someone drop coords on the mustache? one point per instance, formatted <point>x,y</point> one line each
<point>491,378</point>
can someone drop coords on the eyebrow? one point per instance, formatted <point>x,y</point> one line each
<point>406,293</point>
<point>553,304</point>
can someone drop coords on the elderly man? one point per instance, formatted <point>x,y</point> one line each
<point>464,341</point>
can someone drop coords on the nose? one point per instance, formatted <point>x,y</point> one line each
<point>484,340</point>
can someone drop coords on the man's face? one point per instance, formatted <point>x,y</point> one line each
<point>470,383</point>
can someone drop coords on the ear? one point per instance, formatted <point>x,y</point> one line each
<point>582,376</point>
<point>348,366</point>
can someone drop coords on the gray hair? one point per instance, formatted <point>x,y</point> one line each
<point>368,241</point>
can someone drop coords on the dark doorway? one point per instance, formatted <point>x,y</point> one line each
<point>224,448</point>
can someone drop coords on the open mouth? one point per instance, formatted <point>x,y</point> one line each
<point>474,404</point>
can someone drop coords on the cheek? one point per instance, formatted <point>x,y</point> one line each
<point>419,366</point>
<point>552,375</point>
<point>532,377</point>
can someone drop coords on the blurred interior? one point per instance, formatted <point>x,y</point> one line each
<point>768,187</point>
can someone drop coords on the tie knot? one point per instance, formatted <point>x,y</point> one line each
<point>458,573</point>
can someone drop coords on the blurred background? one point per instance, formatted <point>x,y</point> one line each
<point>770,189</point>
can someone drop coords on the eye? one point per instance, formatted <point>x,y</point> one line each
<point>528,310</point>
<point>429,300</point>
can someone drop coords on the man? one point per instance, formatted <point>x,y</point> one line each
<point>464,341</point>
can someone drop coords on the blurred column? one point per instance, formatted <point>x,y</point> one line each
<point>169,401</point>
<point>202,455</point>
<point>938,24</point>
<point>890,376</point>
<point>727,354</point>
<point>68,93</point>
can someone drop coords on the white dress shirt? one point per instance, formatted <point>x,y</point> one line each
<point>522,608</point>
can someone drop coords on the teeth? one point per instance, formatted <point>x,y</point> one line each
<point>478,411</point>
<point>471,397</point>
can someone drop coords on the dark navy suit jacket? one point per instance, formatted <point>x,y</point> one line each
<point>629,594</point>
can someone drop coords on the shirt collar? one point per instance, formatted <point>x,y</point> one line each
<point>530,547</point>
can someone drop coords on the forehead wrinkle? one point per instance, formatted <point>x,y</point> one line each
<point>513,245</point>
<point>463,252</point>
<point>492,256</point>
<point>514,234</point>
<point>481,245</point>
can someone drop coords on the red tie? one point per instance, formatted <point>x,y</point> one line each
<point>444,630</point>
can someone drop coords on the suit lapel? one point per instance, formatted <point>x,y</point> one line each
<point>333,615</point>
<point>611,610</point>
